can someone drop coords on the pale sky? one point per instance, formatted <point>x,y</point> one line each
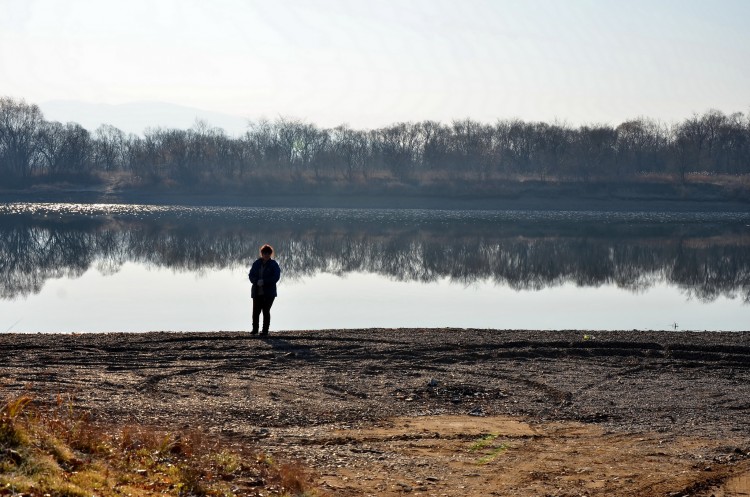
<point>375,62</point>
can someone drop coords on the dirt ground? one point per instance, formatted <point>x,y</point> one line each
<point>438,412</point>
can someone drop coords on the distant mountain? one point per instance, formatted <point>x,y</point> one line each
<point>135,117</point>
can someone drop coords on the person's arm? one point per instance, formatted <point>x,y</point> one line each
<point>276,272</point>
<point>253,275</point>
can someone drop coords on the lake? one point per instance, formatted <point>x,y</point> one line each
<point>97,268</point>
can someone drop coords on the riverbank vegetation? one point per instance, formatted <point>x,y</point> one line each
<point>465,156</point>
<point>56,451</point>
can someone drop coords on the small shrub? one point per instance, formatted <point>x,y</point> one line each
<point>293,478</point>
<point>227,463</point>
<point>11,433</point>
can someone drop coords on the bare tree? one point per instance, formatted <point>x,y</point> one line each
<point>64,148</point>
<point>110,148</point>
<point>595,151</point>
<point>691,137</point>
<point>20,124</point>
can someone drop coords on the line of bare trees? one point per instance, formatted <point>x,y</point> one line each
<point>32,148</point>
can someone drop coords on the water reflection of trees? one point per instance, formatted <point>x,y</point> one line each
<point>706,261</point>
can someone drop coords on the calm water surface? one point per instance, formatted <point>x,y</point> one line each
<point>85,268</point>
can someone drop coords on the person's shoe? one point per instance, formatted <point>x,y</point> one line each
<point>254,332</point>
<point>264,333</point>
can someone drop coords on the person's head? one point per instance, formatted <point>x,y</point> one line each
<point>266,252</point>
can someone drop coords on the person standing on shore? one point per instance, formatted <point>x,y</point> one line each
<point>264,274</point>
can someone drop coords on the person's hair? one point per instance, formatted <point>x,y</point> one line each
<point>266,249</point>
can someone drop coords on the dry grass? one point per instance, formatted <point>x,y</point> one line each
<point>56,452</point>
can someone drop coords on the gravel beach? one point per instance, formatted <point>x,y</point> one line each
<point>428,411</point>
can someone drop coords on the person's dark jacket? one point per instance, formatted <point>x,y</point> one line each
<point>271,274</point>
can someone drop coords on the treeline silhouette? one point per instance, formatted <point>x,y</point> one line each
<point>287,150</point>
<point>706,260</point>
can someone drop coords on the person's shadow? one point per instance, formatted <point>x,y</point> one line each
<point>289,346</point>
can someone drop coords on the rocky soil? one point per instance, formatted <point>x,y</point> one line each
<point>429,411</point>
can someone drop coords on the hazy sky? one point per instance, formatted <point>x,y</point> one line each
<point>371,63</point>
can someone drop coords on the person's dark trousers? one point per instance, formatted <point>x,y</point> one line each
<point>262,304</point>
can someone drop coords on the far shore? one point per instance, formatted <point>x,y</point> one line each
<point>373,201</point>
<point>699,194</point>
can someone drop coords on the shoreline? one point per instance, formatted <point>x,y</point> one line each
<point>376,411</point>
<point>300,333</point>
<point>93,356</point>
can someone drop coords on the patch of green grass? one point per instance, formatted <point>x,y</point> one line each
<point>53,451</point>
<point>490,452</point>
<point>493,454</point>
<point>483,442</point>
